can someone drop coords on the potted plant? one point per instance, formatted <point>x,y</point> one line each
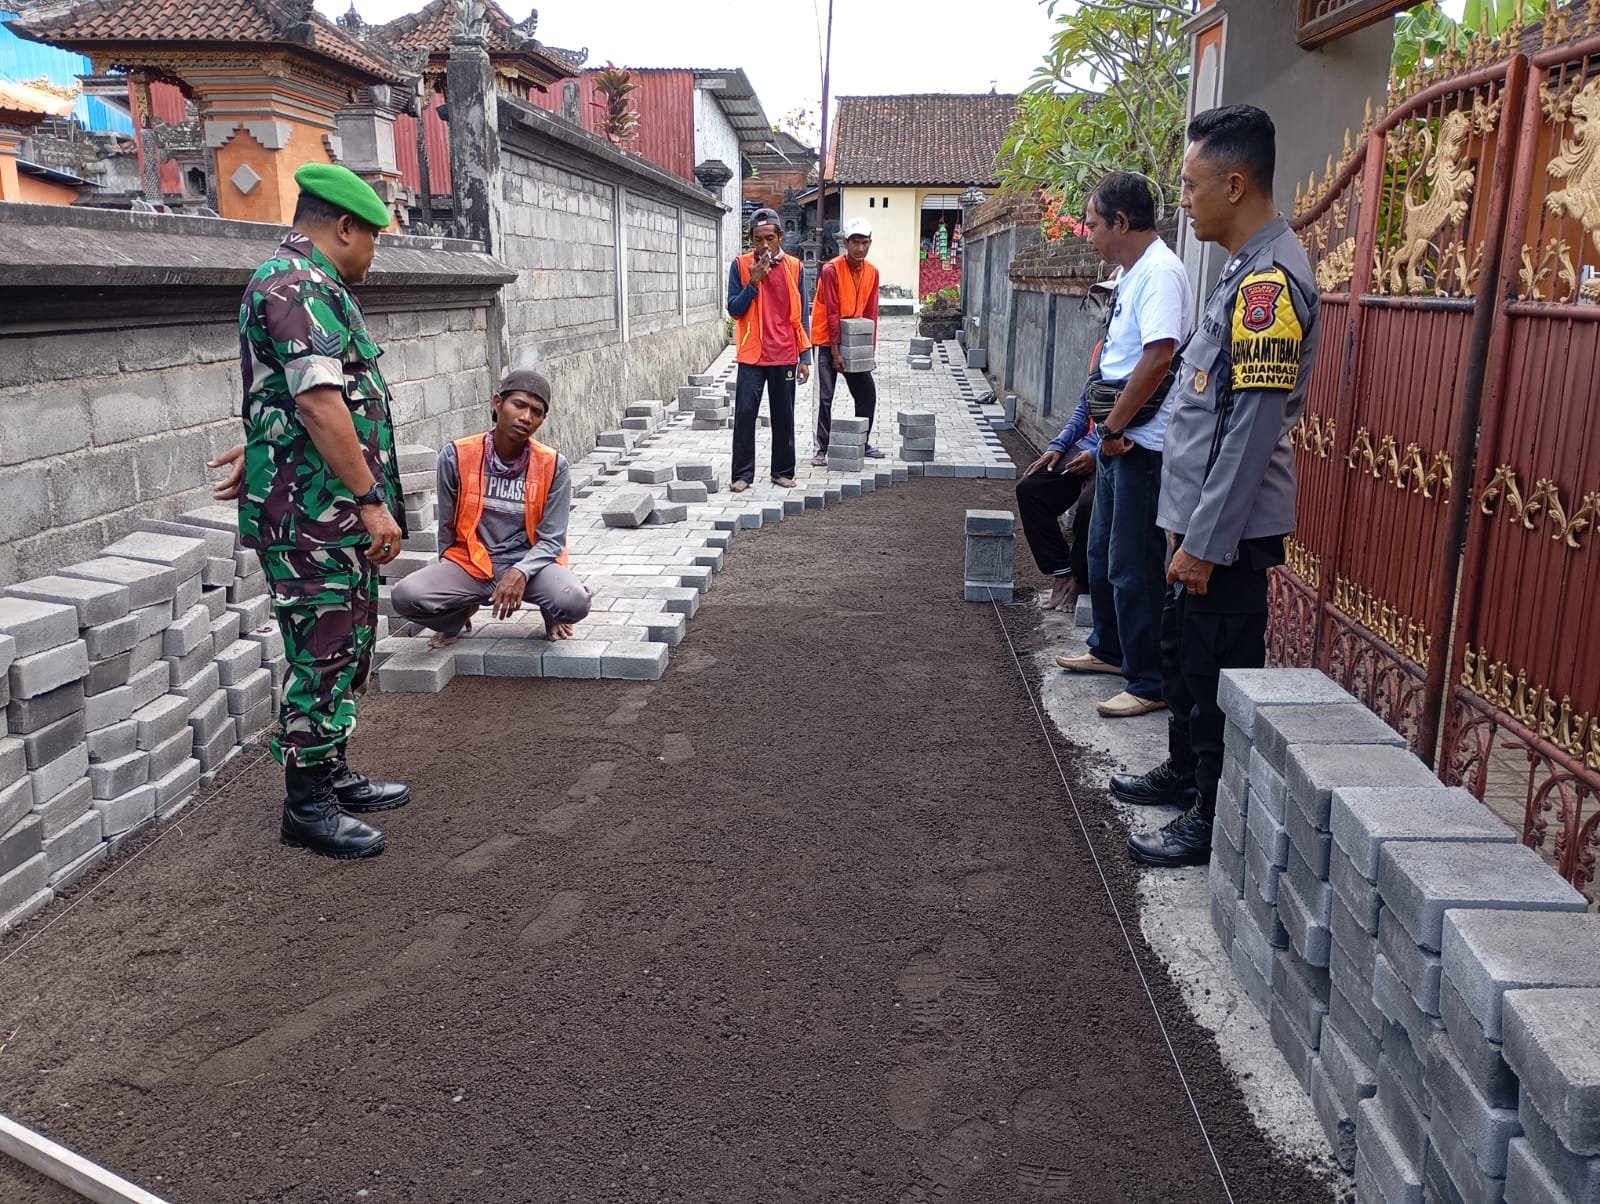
<point>940,317</point>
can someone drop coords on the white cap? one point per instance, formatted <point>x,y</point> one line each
<point>856,227</point>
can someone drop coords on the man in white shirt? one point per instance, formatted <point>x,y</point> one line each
<point>1149,319</point>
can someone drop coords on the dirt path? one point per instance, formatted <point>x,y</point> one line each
<point>804,921</point>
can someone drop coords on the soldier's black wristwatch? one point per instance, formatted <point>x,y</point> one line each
<point>373,496</point>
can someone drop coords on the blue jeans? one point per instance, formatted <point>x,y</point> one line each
<point>1127,568</point>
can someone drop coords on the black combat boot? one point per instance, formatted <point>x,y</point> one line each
<point>1185,841</point>
<point>313,821</point>
<point>359,794</point>
<point>1162,786</point>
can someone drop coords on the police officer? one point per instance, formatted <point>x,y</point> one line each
<point>320,497</point>
<point>1228,477</point>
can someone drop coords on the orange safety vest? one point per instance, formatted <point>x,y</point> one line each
<point>469,550</point>
<point>853,296</point>
<point>747,326</point>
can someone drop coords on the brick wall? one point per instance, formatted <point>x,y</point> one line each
<point>652,265</point>
<point>560,237</point>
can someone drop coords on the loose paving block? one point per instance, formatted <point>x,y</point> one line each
<point>1264,914</point>
<point>270,639</point>
<point>237,661</point>
<point>1489,952</point>
<point>914,456</point>
<point>628,509</point>
<point>186,632</point>
<point>622,439</point>
<point>1455,1156</point>
<point>220,542</point>
<point>150,683</point>
<point>1394,1003</point>
<point>1243,693</point>
<point>1311,843</point>
<point>1403,1114</point>
<point>1549,1042</point>
<point>16,800</point>
<point>72,842</point>
<point>24,715</point>
<point>162,719</point>
<point>1351,1021</point>
<point>651,474</point>
<point>647,409</point>
<point>663,513</point>
<point>990,558</point>
<point>634,661</point>
<point>1576,1175</point>
<point>118,740</point>
<point>111,779</point>
<point>1316,770</point>
<point>686,491</point>
<point>62,808</point>
<point>1267,832</point>
<point>184,555</point>
<point>1419,881</point>
<point>1349,935</point>
<point>1246,974</point>
<point>53,740</point>
<point>1416,967</point>
<point>847,441</point>
<point>248,691</point>
<point>165,756</point>
<point>1337,1123</point>
<point>1279,727</point>
<point>178,785</point>
<point>52,777</point>
<point>1383,1173</point>
<point>1352,1079</point>
<point>44,671</point>
<point>1482,1058</point>
<point>696,470</point>
<point>574,658</point>
<point>225,629</point>
<point>252,613</point>
<point>1527,1179</point>
<point>1263,874</point>
<point>1226,859</point>
<point>214,751</point>
<point>990,522</point>
<point>1364,818</point>
<point>35,627</point>
<point>186,595</point>
<point>1486,1130</point>
<point>201,686</point>
<point>153,621</point>
<point>1308,936</point>
<point>127,811</point>
<point>147,584</point>
<point>1291,1042</point>
<point>919,443</point>
<point>20,842</point>
<point>1358,894</point>
<point>96,602</point>
<point>1303,991</point>
<point>108,674</point>
<point>197,660</point>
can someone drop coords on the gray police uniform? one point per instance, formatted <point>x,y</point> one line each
<point>1228,481</point>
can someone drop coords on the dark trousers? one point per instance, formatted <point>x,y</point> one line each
<point>778,380</point>
<point>1200,637</point>
<point>1041,500</point>
<point>1128,567</point>
<point>863,393</point>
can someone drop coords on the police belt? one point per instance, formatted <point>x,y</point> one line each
<point>1102,396</point>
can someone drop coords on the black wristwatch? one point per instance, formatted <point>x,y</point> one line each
<point>373,496</point>
<point>1107,433</point>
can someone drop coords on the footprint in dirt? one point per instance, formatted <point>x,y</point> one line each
<point>594,780</point>
<point>628,710</point>
<point>561,820</point>
<point>482,855</point>
<point>936,981</point>
<point>622,838</point>
<point>914,1090</point>
<point>557,921</point>
<point>1049,1143</point>
<point>676,748</point>
<point>964,1152</point>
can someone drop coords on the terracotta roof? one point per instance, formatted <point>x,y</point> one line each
<point>429,29</point>
<point>931,138</point>
<point>101,26</point>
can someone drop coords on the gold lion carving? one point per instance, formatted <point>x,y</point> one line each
<point>1451,176</point>
<point>1579,165</point>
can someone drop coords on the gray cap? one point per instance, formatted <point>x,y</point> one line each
<point>526,380</point>
<point>766,217</point>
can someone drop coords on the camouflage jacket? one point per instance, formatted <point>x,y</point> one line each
<point>299,327</point>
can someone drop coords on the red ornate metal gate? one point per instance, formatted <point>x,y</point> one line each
<point>1450,453</point>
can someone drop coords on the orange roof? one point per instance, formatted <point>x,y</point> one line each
<point>429,30</point>
<point>28,100</point>
<point>107,26</point>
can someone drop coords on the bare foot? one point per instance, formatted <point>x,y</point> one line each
<point>557,631</point>
<point>442,639</point>
<point>1063,594</point>
<point>739,486</point>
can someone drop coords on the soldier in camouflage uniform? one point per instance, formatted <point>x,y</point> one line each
<point>320,497</point>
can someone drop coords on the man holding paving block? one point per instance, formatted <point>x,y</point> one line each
<point>844,329</point>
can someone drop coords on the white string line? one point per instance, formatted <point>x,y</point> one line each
<point>167,830</point>
<point>1112,899</point>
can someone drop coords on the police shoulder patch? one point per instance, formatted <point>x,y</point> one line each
<point>1266,332</point>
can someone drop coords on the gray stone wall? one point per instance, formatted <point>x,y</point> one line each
<point>652,266</point>
<point>707,272</point>
<point>560,237</point>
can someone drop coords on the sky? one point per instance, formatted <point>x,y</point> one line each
<point>879,46</point>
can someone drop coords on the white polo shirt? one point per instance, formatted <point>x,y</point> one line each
<point>1152,303</point>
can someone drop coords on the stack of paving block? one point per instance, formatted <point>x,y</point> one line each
<point>918,435</point>
<point>419,492</point>
<point>644,416</point>
<point>712,407</point>
<point>920,357</point>
<point>858,344</point>
<point>847,444</point>
<point>991,556</point>
<point>696,480</point>
<point>639,508</point>
<point>1549,1042</point>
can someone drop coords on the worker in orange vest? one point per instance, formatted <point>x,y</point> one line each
<point>504,500</point>
<point>847,287</point>
<point>765,288</point>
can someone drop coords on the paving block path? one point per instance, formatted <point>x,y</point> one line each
<point>649,580</point>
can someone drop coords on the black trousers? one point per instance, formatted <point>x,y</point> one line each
<point>1041,500</point>
<point>863,393</point>
<point>778,381</point>
<point>1200,637</point>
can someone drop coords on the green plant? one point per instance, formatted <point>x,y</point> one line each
<point>619,121</point>
<point>1111,95</point>
<point>1422,35</point>
<point>947,298</point>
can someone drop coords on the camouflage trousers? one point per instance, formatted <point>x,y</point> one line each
<point>326,604</point>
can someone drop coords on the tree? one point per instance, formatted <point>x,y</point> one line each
<point>619,121</point>
<point>1422,34</point>
<point>1111,95</point>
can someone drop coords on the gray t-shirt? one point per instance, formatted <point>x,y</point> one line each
<point>503,525</point>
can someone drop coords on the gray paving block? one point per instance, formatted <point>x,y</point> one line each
<point>1527,1179</point>
<point>1408,1061</point>
<point>1267,784</point>
<point>64,807</point>
<point>109,779</point>
<point>663,513</point>
<point>1350,1020</point>
<point>1349,934</point>
<point>1397,1007</point>
<point>1314,891</point>
<point>1488,952</point>
<point>919,443</point>
<point>1226,859</point>
<point>177,785</point>
<point>1263,913</point>
<point>1254,941</point>
<point>214,751</point>
<point>237,661</point>
<point>990,558</point>
<point>987,591</point>
<point>185,555</point>
<point>1358,894</point>
<point>147,584</point>
<point>41,672</point>
<point>20,841</point>
<point>1482,1058</point>
<point>270,639</point>
<point>1420,881</point>
<point>1221,907</point>
<point>665,628</point>
<point>1416,967</point>
<point>1263,874</point>
<point>1337,1124</point>
<point>1364,818</point>
<point>1268,833</point>
<point>1455,1154</point>
<point>144,654</point>
<point>1486,1130</point>
<point>201,686</point>
<point>1310,843</point>
<point>910,455</point>
<point>1403,1114</point>
<point>255,721</point>
<point>1231,813</point>
<point>1302,990</point>
<point>23,893</point>
<point>118,740</point>
<point>165,756</point>
<point>112,638</point>
<point>696,470</point>
<point>51,778</point>
<point>76,840</point>
<point>13,761</point>
<point>96,602</point>
<point>574,658</point>
<point>225,630</point>
<point>220,542</point>
<point>210,715</point>
<point>187,594</point>
<point>651,474</point>
<point>16,800</point>
<point>1550,1043</point>
<point>1383,1173</point>
<point>1308,936</point>
<point>150,684</point>
<point>186,632</point>
<point>696,577</point>
<point>24,715</point>
<point>153,620</point>
<point>1353,968</point>
<point>1437,1186</point>
<point>628,508</point>
<point>127,811</point>
<point>252,588</point>
<point>1242,693</point>
<point>639,661</point>
<point>53,740</point>
<point>1352,1079</point>
<point>514,657</point>
<point>162,719</point>
<point>252,612</point>
<point>1577,1176</point>
<point>108,673</point>
<point>1256,987</point>
<point>846,440</point>
<point>249,691</point>
<point>1291,1042</point>
<point>1278,728</point>
<point>687,491</point>
<point>1317,770</point>
<point>35,627</point>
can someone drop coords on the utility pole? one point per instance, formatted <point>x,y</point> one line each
<point>822,151</point>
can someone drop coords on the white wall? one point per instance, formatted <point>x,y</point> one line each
<point>714,139</point>
<point>895,229</point>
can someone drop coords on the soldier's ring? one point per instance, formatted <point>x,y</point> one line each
<point>387,546</point>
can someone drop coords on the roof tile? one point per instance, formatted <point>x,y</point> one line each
<point>930,138</point>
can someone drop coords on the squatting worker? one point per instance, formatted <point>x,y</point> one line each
<point>1228,481</point>
<point>504,501</point>
<point>1062,477</point>
<point>1128,398</point>
<point>847,287</point>
<point>320,498</point>
<point>765,287</point>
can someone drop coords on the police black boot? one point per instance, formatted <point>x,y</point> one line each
<point>313,821</point>
<point>1162,786</point>
<point>359,794</point>
<point>1185,841</point>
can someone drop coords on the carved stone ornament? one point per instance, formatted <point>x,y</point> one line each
<point>469,22</point>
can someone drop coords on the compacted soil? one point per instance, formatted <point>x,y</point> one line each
<point>808,920</point>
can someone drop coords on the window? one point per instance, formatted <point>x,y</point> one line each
<point>872,202</point>
<point>885,202</point>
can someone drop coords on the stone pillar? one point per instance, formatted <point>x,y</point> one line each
<point>474,131</point>
<point>149,151</point>
<point>366,142</point>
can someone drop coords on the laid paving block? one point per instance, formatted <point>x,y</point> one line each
<point>118,740</point>
<point>35,627</point>
<point>150,683</point>
<point>184,555</point>
<point>1576,1175</point>
<point>1456,1157</point>
<point>1315,771</point>
<point>665,628</point>
<point>1364,818</point>
<point>1549,1042</point>
<point>64,807</point>
<point>1308,936</point>
<point>1417,968</point>
<point>248,691</point>
<point>513,657</point>
<point>53,740</point>
<point>1420,881</point>
<point>110,779</point>
<point>639,661</point>
<point>687,491</point>
<point>127,811</point>
<point>1489,952</point>
<point>1486,1130</point>
<point>1279,727</point>
<point>651,474</point>
<point>1482,1059</point>
<point>628,508</point>
<point>574,658</point>
<point>1383,1173</point>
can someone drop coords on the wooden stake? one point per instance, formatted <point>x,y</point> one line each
<point>67,1168</point>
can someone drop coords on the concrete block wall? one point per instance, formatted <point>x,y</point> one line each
<point>1432,984</point>
<point>652,265</point>
<point>707,274</point>
<point>560,235</point>
<point>130,677</point>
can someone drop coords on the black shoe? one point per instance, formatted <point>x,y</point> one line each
<point>1162,786</point>
<point>359,794</point>
<point>313,821</point>
<point>1185,841</point>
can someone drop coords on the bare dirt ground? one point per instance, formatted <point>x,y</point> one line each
<point>805,921</point>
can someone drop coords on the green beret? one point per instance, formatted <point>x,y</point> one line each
<point>342,187</point>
